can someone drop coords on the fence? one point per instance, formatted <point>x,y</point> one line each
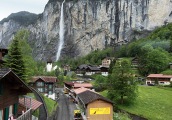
<point>26,116</point>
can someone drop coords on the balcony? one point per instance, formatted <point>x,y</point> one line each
<point>25,109</point>
<point>26,116</point>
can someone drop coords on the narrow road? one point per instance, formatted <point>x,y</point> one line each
<point>65,107</point>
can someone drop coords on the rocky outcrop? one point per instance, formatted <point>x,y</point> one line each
<point>90,25</point>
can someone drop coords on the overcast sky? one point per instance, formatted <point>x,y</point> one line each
<point>12,6</point>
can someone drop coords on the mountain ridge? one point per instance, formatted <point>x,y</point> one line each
<point>90,25</point>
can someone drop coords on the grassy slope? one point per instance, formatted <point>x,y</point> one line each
<point>51,104</point>
<point>152,103</point>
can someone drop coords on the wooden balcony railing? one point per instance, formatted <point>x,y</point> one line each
<point>26,116</point>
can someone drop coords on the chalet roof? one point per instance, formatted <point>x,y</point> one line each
<point>89,96</point>
<point>109,58</point>
<point>3,72</point>
<point>69,83</point>
<point>45,78</point>
<point>11,77</point>
<point>94,68</point>
<point>159,76</point>
<point>83,66</point>
<point>80,90</point>
<point>26,102</point>
<point>79,85</point>
<point>104,67</point>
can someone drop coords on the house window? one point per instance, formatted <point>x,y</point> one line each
<point>162,82</point>
<point>1,114</point>
<point>50,92</point>
<point>40,89</point>
<point>50,86</point>
<point>40,84</point>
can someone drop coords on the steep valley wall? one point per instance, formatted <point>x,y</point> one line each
<point>90,25</point>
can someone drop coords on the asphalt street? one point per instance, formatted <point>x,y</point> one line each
<point>65,108</point>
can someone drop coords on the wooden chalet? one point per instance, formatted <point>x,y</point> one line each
<point>11,88</point>
<point>80,70</point>
<point>159,79</point>
<point>85,69</point>
<point>74,93</point>
<point>95,106</point>
<point>91,70</point>
<point>44,84</point>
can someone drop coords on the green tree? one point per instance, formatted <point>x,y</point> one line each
<point>112,64</point>
<point>15,59</point>
<point>157,61</point>
<point>122,84</point>
<point>154,61</point>
<point>100,83</point>
<point>26,51</point>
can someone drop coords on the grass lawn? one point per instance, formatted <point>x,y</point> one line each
<point>51,104</point>
<point>152,103</point>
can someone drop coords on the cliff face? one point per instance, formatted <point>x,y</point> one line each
<point>90,25</point>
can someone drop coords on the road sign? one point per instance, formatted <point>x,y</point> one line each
<point>99,111</point>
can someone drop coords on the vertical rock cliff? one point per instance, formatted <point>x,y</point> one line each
<point>90,25</point>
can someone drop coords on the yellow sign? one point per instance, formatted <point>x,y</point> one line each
<point>99,111</point>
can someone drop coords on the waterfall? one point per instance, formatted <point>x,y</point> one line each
<point>61,33</point>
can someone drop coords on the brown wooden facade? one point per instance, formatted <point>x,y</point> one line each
<point>95,106</point>
<point>105,114</point>
<point>44,84</point>
<point>11,87</point>
<point>159,79</point>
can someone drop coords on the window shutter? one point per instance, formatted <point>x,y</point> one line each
<point>15,109</point>
<point>6,113</point>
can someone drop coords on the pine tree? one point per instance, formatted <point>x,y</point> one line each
<point>15,58</point>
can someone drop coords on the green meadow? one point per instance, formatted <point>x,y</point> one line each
<point>153,103</point>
